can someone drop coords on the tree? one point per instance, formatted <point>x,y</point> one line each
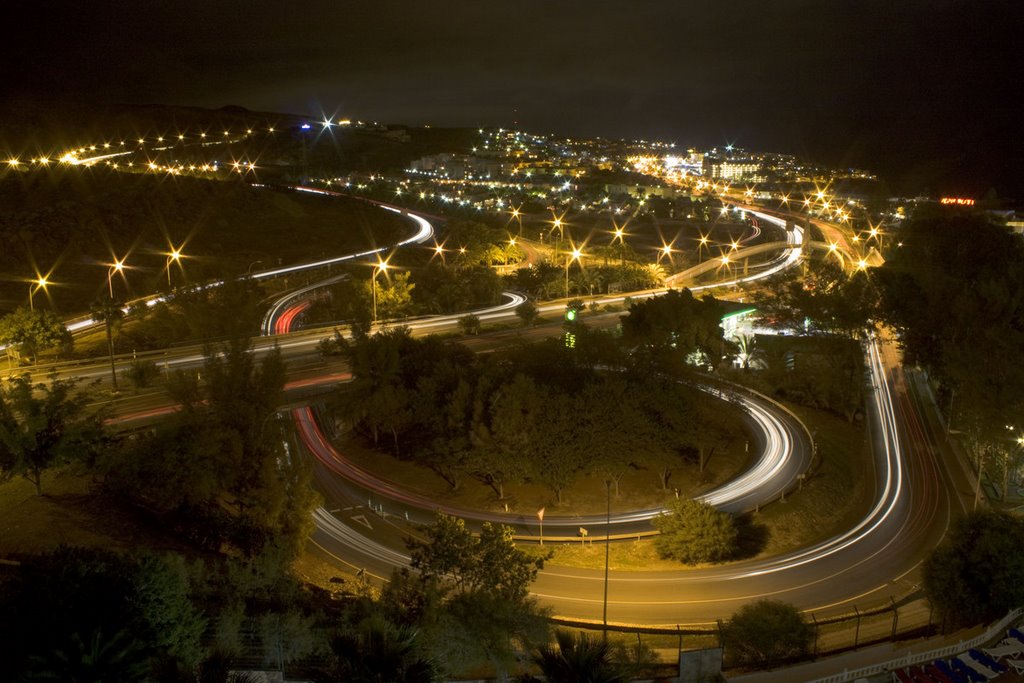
<point>394,297</point>
<point>824,299</point>
<point>555,452</point>
<point>527,312</point>
<point>977,573</point>
<point>489,564</point>
<point>28,332</point>
<point>578,659</point>
<point>502,435</point>
<point>675,328</point>
<point>693,531</point>
<point>225,447</point>
<point>381,652</point>
<point>471,595</point>
<point>953,301</point>
<point>767,632</point>
<point>43,425</point>
<point>110,313</point>
<point>88,614</point>
<point>469,324</point>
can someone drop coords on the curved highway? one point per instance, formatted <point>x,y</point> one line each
<point>866,564</point>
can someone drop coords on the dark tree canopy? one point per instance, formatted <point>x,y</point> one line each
<point>767,632</point>
<point>78,614</point>
<point>670,328</point>
<point>540,412</point>
<point>824,299</point>
<point>955,293</point>
<point>45,424</point>
<point>693,531</point>
<point>977,574</point>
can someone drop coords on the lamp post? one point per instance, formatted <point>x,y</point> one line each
<point>175,257</point>
<point>666,250</point>
<point>574,255</point>
<point>620,235</point>
<point>117,266</point>
<point>700,248</point>
<point>33,287</point>
<point>381,266</point>
<point>725,262</point>
<point>305,159</point>
<point>607,549</point>
<point>248,271</point>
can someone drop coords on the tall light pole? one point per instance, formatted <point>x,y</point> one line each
<point>380,267</point>
<point>574,255</point>
<point>666,250</point>
<point>175,257</point>
<point>725,262</point>
<point>700,248</point>
<point>33,287</point>
<point>517,214</point>
<point>305,160</point>
<point>607,549</point>
<point>118,267</point>
<point>620,235</point>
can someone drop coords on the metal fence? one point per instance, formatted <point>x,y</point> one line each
<point>896,620</point>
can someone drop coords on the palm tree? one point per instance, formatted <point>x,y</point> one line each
<point>578,659</point>
<point>119,658</point>
<point>381,652</point>
<point>749,352</point>
<point>110,313</point>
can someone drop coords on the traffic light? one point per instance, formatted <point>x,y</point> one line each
<point>570,314</point>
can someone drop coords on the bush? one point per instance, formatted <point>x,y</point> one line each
<point>692,531</point>
<point>469,324</point>
<point>141,373</point>
<point>527,312</point>
<point>766,632</point>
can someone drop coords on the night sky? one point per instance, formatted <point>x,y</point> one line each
<point>921,91</point>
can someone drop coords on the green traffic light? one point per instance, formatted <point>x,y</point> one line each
<point>570,315</point>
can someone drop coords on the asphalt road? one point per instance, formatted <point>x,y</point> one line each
<point>915,493</point>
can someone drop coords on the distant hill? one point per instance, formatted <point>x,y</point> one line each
<point>71,222</point>
<point>32,129</point>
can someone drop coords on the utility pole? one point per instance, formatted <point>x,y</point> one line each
<point>607,549</point>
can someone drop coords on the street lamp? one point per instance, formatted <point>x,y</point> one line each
<point>725,262</point>
<point>518,215</point>
<point>607,549</point>
<point>666,251</point>
<point>380,267</point>
<point>248,271</point>
<point>173,256</point>
<point>574,255</point>
<point>620,235</point>
<point>34,286</point>
<point>700,248</point>
<point>118,267</point>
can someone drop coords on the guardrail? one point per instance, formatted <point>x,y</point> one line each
<point>910,659</point>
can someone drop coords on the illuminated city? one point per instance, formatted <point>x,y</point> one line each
<point>352,342</point>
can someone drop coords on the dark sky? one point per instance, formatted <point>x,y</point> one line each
<point>922,91</point>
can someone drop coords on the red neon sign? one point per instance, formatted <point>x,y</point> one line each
<point>957,201</point>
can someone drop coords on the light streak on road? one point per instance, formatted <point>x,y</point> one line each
<point>424,231</point>
<point>892,491</point>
